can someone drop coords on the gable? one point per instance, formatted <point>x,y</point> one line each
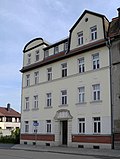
<point>84,23</point>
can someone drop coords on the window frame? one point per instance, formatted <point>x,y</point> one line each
<point>48,126</point>
<point>56,49</point>
<point>26,126</point>
<point>27,80</point>
<point>46,53</point>
<point>37,55</point>
<point>64,69</point>
<point>29,59</point>
<point>96,125</point>
<point>27,103</point>
<point>93,30</point>
<point>64,97</point>
<point>49,74</point>
<point>36,77</point>
<point>96,92</point>
<point>96,61</point>
<point>81,125</point>
<point>81,65</point>
<point>36,104</point>
<point>49,99</point>
<point>80,38</point>
<point>81,94</point>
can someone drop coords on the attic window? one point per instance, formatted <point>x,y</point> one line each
<point>86,19</point>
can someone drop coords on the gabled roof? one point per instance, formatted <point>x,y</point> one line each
<point>90,12</point>
<point>9,112</point>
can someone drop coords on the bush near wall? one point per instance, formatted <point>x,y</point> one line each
<point>13,138</point>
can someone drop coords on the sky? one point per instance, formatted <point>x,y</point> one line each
<point>24,20</point>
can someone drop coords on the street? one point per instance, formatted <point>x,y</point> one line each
<point>25,154</point>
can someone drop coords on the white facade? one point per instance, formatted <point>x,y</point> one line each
<point>73,110</point>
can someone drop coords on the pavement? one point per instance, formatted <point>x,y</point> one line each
<point>70,150</point>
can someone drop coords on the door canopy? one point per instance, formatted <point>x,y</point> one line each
<point>63,114</point>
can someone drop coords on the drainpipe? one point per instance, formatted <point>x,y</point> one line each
<point>109,44</point>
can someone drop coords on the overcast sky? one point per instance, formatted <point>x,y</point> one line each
<point>24,20</point>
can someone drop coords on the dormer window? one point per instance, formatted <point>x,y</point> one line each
<point>66,46</point>
<point>93,32</point>
<point>80,38</point>
<point>56,49</point>
<point>29,59</point>
<point>37,55</point>
<point>46,53</point>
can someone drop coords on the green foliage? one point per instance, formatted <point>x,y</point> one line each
<point>13,138</point>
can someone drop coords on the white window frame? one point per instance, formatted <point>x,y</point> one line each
<point>96,125</point>
<point>81,125</point>
<point>46,53</point>
<point>81,64</point>
<point>37,57</point>
<point>48,126</point>
<point>27,103</point>
<point>35,101</point>
<point>93,32</point>
<point>80,38</point>
<point>56,49</point>
<point>49,99</point>
<point>96,61</point>
<point>29,58</point>
<point>28,80</point>
<point>64,97</point>
<point>64,69</point>
<point>96,92</point>
<point>66,46</point>
<point>81,95</point>
<point>36,76</point>
<point>49,73</point>
<point>26,126</point>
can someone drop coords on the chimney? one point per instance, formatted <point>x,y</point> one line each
<point>118,12</point>
<point>8,106</point>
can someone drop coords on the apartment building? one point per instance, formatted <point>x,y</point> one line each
<point>9,120</point>
<point>66,93</point>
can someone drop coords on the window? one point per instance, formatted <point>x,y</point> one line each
<point>8,119</point>
<point>1,119</point>
<point>48,126</point>
<point>96,64</point>
<point>66,46</point>
<point>81,94</point>
<point>49,99</point>
<point>56,49</point>
<point>64,97</point>
<point>81,65</point>
<point>37,55</point>
<point>27,103</point>
<point>46,53</point>
<point>64,69</point>
<point>28,80</point>
<point>36,75</point>
<point>49,73</point>
<point>80,38</point>
<point>93,32</point>
<point>29,59</point>
<point>26,126</point>
<point>81,125</point>
<point>96,125</point>
<point>96,92</point>
<point>36,101</point>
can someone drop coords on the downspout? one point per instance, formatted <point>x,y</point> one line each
<point>109,44</point>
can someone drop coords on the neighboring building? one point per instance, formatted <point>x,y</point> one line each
<point>114,46</point>
<point>66,88</point>
<point>9,120</point>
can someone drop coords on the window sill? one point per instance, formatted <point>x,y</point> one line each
<point>35,108</point>
<point>48,107</point>
<point>96,101</point>
<point>82,103</point>
<point>26,110</point>
<point>63,105</point>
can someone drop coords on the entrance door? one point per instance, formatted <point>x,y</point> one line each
<point>64,132</point>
